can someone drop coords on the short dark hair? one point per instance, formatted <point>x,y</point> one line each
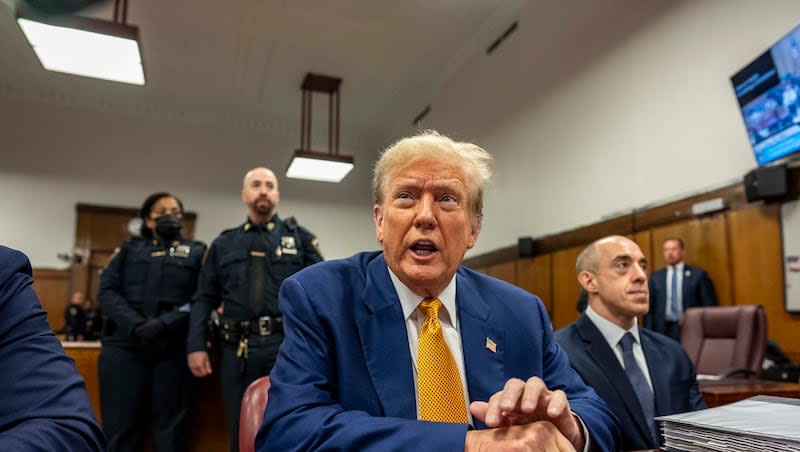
<point>147,209</point>
<point>677,239</point>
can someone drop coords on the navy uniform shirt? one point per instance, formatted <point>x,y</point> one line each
<point>225,274</point>
<point>150,278</point>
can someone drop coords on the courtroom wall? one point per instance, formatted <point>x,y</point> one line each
<point>652,118</point>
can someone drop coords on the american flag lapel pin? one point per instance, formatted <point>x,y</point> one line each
<point>490,345</point>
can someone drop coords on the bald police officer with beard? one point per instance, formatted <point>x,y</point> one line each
<point>244,268</point>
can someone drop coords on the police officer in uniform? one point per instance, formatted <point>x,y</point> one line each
<point>75,318</point>
<point>145,292</point>
<point>242,272</point>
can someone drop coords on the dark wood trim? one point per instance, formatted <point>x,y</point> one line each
<point>638,220</point>
<point>50,273</point>
<point>733,196</point>
<point>498,256</point>
<point>132,211</point>
<point>584,235</point>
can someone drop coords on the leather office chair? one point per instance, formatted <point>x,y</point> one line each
<point>719,339</point>
<point>251,413</point>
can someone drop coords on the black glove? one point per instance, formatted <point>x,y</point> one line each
<point>149,330</point>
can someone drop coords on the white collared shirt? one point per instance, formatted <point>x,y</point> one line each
<point>613,333</point>
<point>448,318</point>
<point>670,269</point>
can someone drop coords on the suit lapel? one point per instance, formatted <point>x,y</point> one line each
<point>484,367</point>
<point>384,342</point>
<point>685,283</point>
<point>660,380</point>
<point>598,349</point>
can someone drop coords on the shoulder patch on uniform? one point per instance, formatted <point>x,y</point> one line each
<point>291,223</point>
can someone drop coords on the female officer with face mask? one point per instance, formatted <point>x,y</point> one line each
<point>145,292</point>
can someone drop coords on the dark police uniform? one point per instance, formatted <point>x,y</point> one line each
<point>75,322</point>
<point>147,279</point>
<point>244,269</point>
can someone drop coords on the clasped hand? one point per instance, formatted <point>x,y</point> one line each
<point>526,415</point>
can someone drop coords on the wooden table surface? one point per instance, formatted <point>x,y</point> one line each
<point>721,392</point>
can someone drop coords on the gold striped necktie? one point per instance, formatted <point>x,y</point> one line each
<point>441,397</point>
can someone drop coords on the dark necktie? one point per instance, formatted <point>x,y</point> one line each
<point>258,271</point>
<point>638,381</point>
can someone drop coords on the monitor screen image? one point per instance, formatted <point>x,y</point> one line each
<point>768,91</point>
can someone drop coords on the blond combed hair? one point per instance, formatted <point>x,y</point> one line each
<point>431,145</point>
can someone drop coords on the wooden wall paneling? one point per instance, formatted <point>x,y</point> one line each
<point>756,252</point>
<point>507,271</point>
<point>565,286</point>
<point>52,287</point>
<point>645,241</point>
<point>622,225</point>
<point>681,210</point>
<point>498,256</point>
<point>706,240</point>
<point>710,251</point>
<point>535,275</point>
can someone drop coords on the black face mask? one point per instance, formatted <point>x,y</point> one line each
<point>168,227</point>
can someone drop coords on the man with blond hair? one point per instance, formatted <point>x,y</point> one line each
<point>386,350</point>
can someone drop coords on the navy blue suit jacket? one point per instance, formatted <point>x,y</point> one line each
<point>43,401</point>
<point>671,372</point>
<point>698,291</point>
<point>344,377</point>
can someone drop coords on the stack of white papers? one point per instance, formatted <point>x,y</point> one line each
<point>757,424</point>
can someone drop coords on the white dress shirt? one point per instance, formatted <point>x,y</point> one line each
<point>613,333</point>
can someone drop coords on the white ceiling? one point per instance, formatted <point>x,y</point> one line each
<point>238,64</point>
<point>245,59</point>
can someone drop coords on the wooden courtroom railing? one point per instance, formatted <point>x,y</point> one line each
<point>208,430</point>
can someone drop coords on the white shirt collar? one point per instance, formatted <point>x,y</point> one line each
<point>611,331</point>
<point>410,301</point>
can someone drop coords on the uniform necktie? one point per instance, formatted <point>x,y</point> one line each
<point>441,397</point>
<point>638,381</point>
<point>258,257</point>
<point>675,310</point>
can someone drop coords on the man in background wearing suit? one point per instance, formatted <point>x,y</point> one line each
<point>675,288</point>
<point>385,350</point>
<point>639,373</point>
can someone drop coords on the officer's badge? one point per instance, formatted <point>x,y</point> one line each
<point>288,246</point>
<point>181,251</point>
